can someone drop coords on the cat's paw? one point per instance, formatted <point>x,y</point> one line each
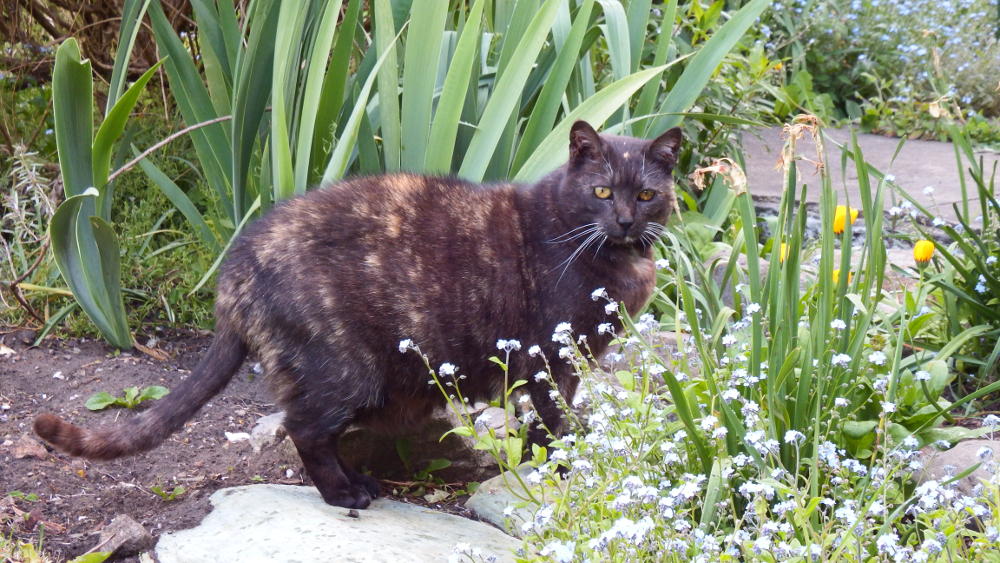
<point>352,496</point>
<point>368,483</point>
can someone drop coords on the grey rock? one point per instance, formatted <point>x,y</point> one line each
<point>495,496</point>
<point>124,537</point>
<point>941,466</point>
<point>495,418</point>
<point>268,523</point>
<point>268,431</point>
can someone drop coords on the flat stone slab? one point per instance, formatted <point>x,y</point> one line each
<point>919,164</point>
<point>267,523</point>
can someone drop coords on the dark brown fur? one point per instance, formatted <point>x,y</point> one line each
<point>326,285</point>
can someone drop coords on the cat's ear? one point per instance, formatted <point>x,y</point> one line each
<point>584,142</point>
<point>666,147</point>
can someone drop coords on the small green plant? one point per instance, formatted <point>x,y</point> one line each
<point>30,497</point>
<point>171,495</point>
<point>131,398</point>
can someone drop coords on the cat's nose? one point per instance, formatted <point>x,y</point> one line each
<point>625,223</point>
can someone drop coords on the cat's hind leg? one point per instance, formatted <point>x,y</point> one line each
<point>316,443</point>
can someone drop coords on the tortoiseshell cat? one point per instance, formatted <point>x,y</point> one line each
<point>325,286</point>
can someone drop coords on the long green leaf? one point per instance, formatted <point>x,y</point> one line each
<point>423,47</point>
<point>506,94</point>
<point>132,13</point>
<point>699,70</point>
<point>334,86</point>
<point>345,145</point>
<point>554,148</point>
<point>211,143</point>
<point>109,132</point>
<point>253,85</point>
<point>388,85</point>
<point>73,110</point>
<point>214,53</point>
<point>313,91</point>
<point>546,107</point>
<point>441,143</point>
<point>182,202</point>
<point>284,70</point>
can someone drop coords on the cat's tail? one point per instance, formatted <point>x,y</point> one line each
<point>147,430</point>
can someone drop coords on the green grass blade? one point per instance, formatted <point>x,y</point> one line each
<point>444,130</point>
<point>664,42</point>
<point>700,68</point>
<point>423,48</point>
<point>73,110</point>
<point>506,94</point>
<point>555,147</point>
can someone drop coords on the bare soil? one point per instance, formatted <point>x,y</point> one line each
<point>77,498</point>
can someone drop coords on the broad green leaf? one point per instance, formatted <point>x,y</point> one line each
<point>73,110</point>
<point>214,51</point>
<point>596,109</point>
<point>153,392</point>
<point>703,64</point>
<point>616,33</point>
<point>505,95</point>
<point>77,239</point>
<point>99,401</point>
<point>94,557</point>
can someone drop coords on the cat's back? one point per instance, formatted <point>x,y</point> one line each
<point>399,244</point>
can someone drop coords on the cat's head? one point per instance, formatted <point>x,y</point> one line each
<point>620,186</point>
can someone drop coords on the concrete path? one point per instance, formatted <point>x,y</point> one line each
<point>918,165</point>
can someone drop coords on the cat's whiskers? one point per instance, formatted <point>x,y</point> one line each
<point>569,235</point>
<point>597,234</point>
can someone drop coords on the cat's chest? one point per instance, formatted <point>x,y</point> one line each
<point>633,283</point>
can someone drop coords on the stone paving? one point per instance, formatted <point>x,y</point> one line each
<point>919,164</point>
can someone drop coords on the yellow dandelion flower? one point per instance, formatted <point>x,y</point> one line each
<point>923,251</point>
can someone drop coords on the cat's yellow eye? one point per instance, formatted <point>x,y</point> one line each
<point>602,192</point>
<point>646,195</point>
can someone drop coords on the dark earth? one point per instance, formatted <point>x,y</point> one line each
<point>77,498</point>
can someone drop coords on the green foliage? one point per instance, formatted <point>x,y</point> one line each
<point>167,496</point>
<point>963,279</point>
<point>894,64</point>
<point>131,398</point>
